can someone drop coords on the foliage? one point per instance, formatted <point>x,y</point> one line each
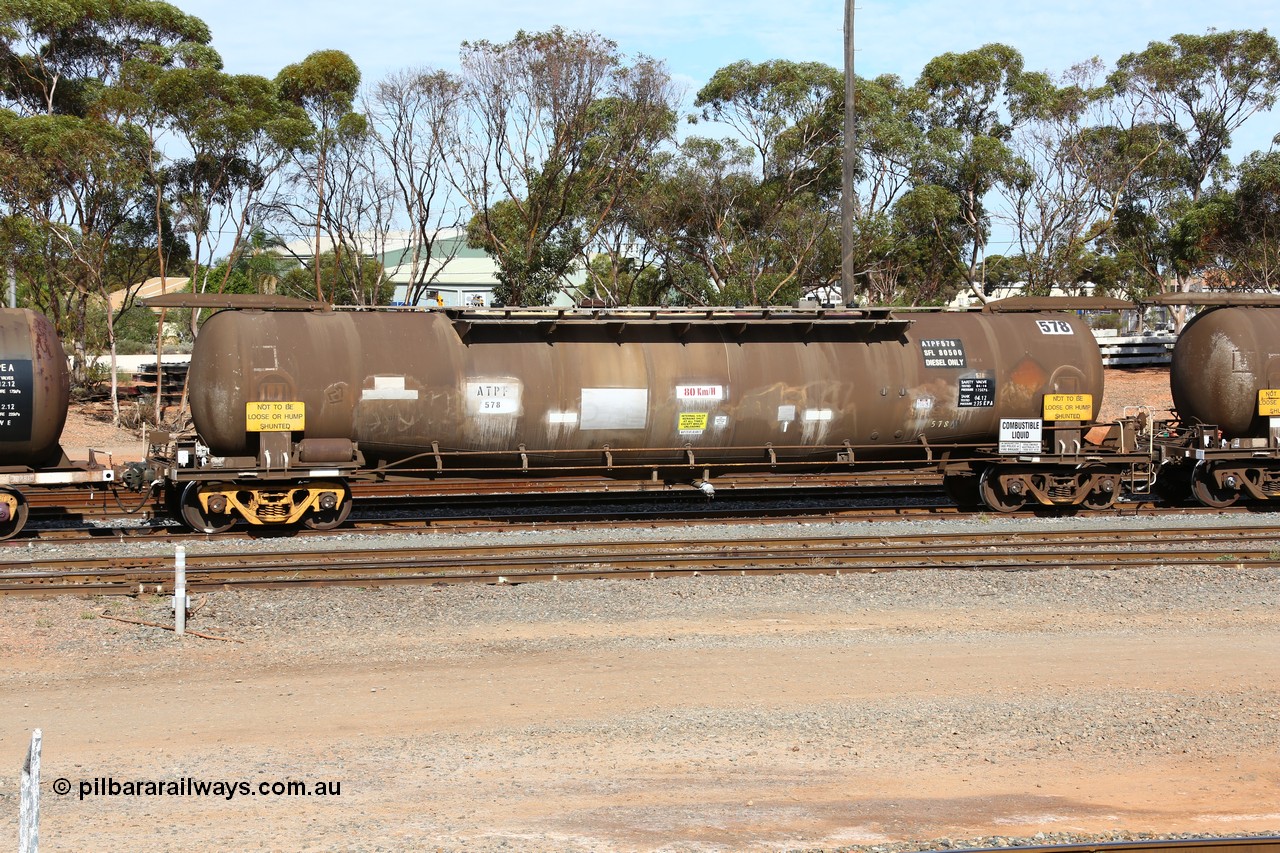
<point>561,126</point>
<point>375,288</point>
<point>138,325</point>
<point>126,150</point>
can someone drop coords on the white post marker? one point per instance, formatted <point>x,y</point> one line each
<point>180,590</point>
<point>29,809</point>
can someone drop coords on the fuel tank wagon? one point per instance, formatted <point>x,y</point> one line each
<point>34,394</point>
<point>1222,361</point>
<point>560,386</point>
<point>34,389</point>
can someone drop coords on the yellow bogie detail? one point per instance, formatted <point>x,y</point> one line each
<point>274,506</point>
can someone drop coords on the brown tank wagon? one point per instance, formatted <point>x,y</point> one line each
<point>34,394</point>
<point>1223,359</point>
<point>289,405</point>
<point>1225,381</point>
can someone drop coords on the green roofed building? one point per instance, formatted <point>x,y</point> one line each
<point>456,275</point>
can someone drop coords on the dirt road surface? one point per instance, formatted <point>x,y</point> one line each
<point>877,711</point>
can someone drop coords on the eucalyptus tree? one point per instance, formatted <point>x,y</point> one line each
<point>1237,231</point>
<point>79,156</point>
<point>775,238</point>
<point>415,114</point>
<point>970,104</point>
<point>357,217</point>
<point>697,214</point>
<point>750,217</point>
<point>232,135</point>
<point>557,126</point>
<point>1078,156</point>
<point>889,142</point>
<point>1199,90</point>
<point>324,85</point>
<point>60,57</point>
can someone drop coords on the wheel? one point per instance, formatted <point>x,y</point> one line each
<point>328,519</point>
<point>17,519</point>
<point>196,517</point>
<point>1099,500</point>
<point>994,497</point>
<point>1208,492</point>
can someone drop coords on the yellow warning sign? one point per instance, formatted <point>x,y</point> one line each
<point>275,417</point>
<point>1269,402</point>
<point>1068,407</point>
<point>693,421</point>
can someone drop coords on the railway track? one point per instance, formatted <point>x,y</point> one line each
<point>1236,547</point>
<point>402,507</point>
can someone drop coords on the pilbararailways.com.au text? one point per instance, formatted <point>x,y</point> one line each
<point>108,786</point>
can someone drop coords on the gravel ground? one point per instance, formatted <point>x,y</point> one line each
<point>893,712</point>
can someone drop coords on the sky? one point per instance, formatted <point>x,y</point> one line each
<point>695,38</point>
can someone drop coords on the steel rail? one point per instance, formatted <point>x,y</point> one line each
<point>521,563</point>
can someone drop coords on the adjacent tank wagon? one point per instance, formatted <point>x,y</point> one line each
<point>34,394</point>
<point>289,405</point>
<point>1224,378</point>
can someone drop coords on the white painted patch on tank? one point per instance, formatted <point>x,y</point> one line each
<point>614,408</point>
<point>818,415</point>
<point>265,358</point>
<point>699,393</point>
<point>388,388</point>
<point>493,396</point>
<point>786,414</point>
<point>560,422</point>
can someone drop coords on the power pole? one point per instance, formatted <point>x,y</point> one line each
<point>848,169</point>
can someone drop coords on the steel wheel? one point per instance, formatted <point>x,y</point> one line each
<point>1208,492</point>
<point>1099,500</point>
<point>330,518</point>
<point>13,526</point>
<point>196,517</point>
<point>994,497</point>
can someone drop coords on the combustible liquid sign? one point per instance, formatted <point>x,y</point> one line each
<point>275,417</point>
<point>1068,407</point>
<point>1269,402</point>
<point>1020,436</point>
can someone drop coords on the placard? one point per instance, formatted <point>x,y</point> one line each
<point>976,392</point>
<point>1021,436</point>
<point>275,417</point>
<point>693,423</point>
<point>943,352</point>
<point>1068,407</point>
<point>17,400</point>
